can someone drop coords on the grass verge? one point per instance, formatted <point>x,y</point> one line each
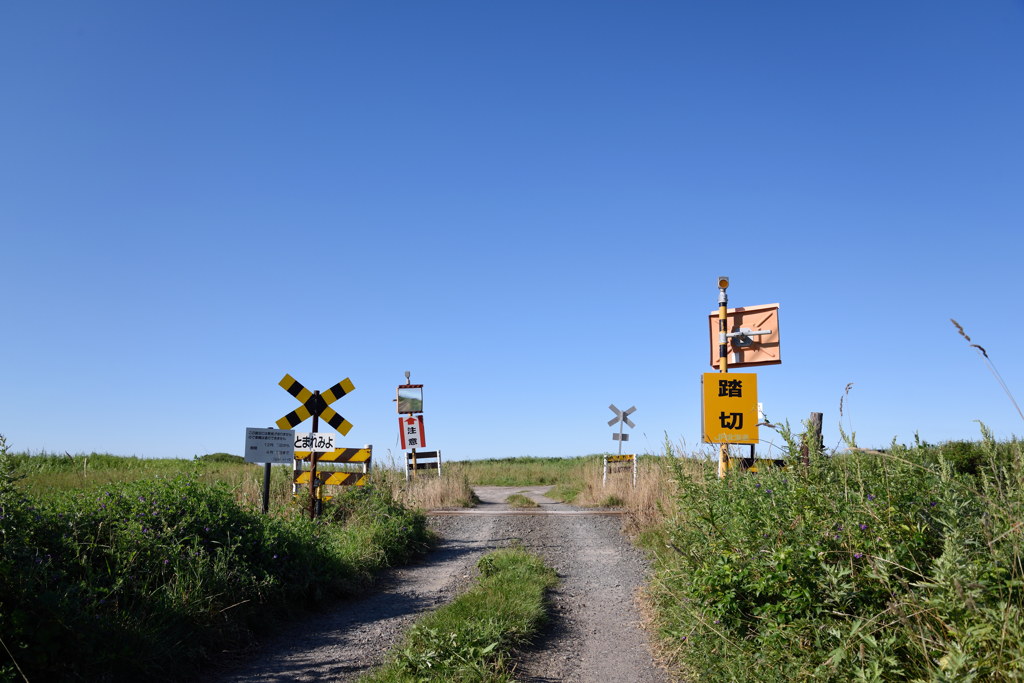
<point>470,639</point>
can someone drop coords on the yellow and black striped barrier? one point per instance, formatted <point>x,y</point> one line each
<point>754,464</point>
<point>356,455</point>
<point>359,457</point>
<point>618,463</point>
<point>332,478</point>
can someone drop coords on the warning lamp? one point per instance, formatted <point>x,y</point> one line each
<point>723,282</point>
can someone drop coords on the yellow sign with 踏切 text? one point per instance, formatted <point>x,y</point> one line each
<point>729,407</point>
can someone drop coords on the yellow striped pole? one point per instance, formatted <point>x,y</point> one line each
<point>723,361</point>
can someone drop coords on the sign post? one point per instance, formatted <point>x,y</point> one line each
<point>730,401</point>
<point>315,405</point>
<point>410,429</point>
<point>621,417</point>
<point>723,362</point>
<point>268,446</point>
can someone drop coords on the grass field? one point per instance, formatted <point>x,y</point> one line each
<point>902,564</point>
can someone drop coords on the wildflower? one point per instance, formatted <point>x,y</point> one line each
<point>863,527</point>
<point>167,561</point>
<point>871,496</point>
<point>857,556</point>
<point>932,504</point>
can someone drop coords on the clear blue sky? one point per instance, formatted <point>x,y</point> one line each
<point>526,204</point>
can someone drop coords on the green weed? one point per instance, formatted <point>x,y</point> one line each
<point>470,638</point>
<point>518,500</point>
<point>902,565</point>
<point>146,579</point>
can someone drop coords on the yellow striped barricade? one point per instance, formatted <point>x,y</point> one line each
<point>423,460</point>
<point>754,464</point>
<point>618,463</point>
<point>355,462</point>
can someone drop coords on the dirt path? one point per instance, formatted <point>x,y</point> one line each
<point>594,634</point>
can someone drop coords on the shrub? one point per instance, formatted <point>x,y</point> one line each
<point>863,566</point>
<point>146,579</point>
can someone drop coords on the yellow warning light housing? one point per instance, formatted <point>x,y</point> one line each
<point>723,282</point>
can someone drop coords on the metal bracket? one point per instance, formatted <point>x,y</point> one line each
<point>742,339</point>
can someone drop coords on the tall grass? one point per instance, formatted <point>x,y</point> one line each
<point>896,565</point>
<point>47,473</point>
<point>145,579</point>
<point>425,490</point>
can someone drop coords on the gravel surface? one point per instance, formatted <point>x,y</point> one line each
<point>594,634</point>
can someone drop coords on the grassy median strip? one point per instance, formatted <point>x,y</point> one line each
<point>518,500</point>
<point>470,639</point>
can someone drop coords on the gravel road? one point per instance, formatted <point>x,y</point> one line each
<point>594,634</point>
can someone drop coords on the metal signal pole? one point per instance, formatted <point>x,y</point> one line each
<point>723,360</point>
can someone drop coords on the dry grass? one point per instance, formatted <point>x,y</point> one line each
<point>647,502</point>
<point>427,491</point>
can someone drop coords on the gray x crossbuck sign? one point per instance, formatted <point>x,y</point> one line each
<point>621,415</point>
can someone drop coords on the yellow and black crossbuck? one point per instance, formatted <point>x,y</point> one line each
<point>315,404</point>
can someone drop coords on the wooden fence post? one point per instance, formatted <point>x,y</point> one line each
<point>811,436</point>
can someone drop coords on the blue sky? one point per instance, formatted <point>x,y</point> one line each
<point>525,204</point>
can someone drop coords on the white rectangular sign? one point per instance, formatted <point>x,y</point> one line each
<point>269,445</point>
<point>411,430</point>
<point>318,442</point>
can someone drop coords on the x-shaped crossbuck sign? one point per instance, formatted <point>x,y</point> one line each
<point>315,404</point>
<point>621,415</point>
